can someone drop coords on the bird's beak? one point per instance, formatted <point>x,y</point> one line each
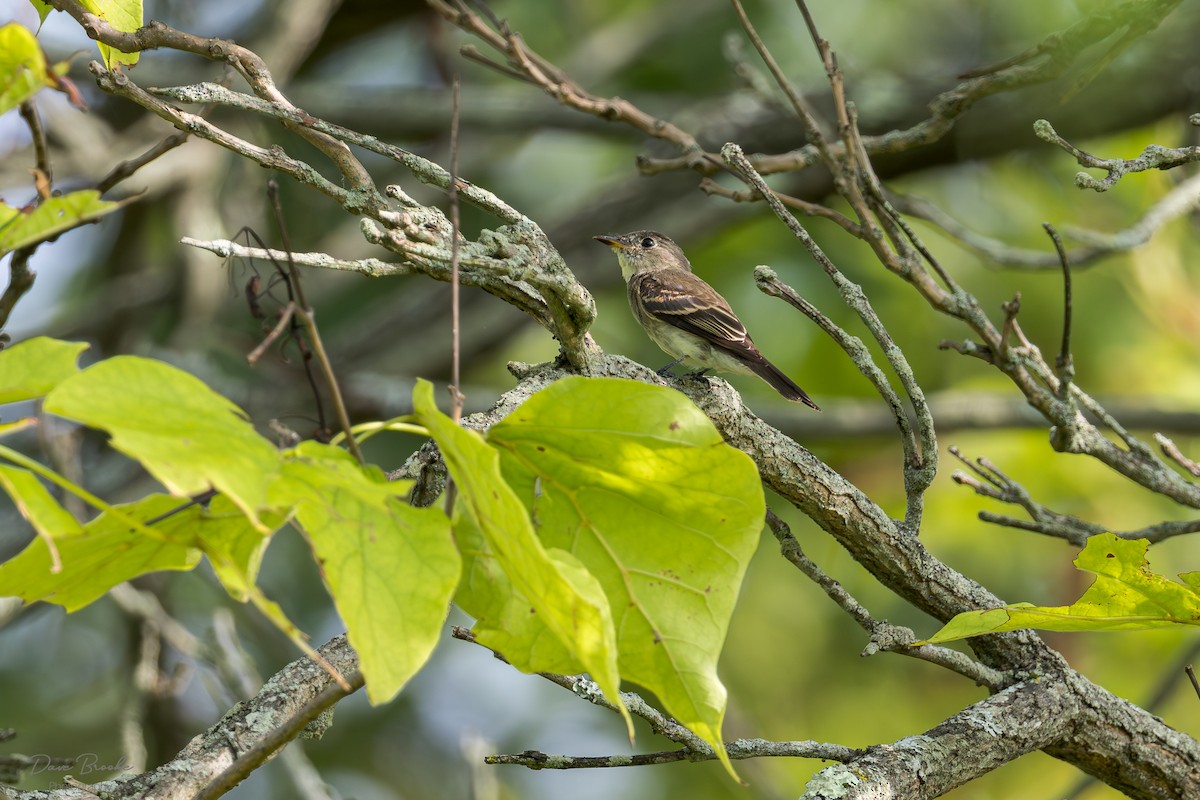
<point>612,241</point>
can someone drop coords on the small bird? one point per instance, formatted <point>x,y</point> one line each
<point>685,316</point>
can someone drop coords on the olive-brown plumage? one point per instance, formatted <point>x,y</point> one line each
<point>685,316</point>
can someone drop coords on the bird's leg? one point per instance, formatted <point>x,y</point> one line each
<point>700,373</point>
<point>664,371</point>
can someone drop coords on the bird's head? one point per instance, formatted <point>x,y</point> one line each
<point>645,251</point>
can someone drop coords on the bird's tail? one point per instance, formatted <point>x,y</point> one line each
<point>781,383</point>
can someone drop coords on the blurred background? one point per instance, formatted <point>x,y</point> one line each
<point>791,663</point>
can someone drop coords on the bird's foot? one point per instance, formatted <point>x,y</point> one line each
<point>664,372</point>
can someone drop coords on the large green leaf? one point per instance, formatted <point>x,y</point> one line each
<point>1125,596</point>
<point>391,568</point>
<point>637,483</point>
<point>186,435</point>
<point>564,596</point>
<point>23,227</point>
<point>107,551</point>
<point>32,368</point>
<point>23,68</point>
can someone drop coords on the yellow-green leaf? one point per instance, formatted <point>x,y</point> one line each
<point>30,369</point>
<point>233,545</point>
<point>1125,596</point>
<point>23,227</point>
<point>49,520</point>
<point>106,552</point>
<point>42,9</point>
<point>390,568</point>
<point>568,600</point>
<point>637,483</point>
<point>22,66</point>
<point>186,435</point>
<point>503,621</point>
<point>124,15</point>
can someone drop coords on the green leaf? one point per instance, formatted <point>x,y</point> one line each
<point>568,600</point>
<point>186,435</point>
<point>22,66</point>
<point>638,484</point>
<point>42,9</point>
<point>503,619</point>
<point>23,227</point>
<point>104,553</point>
<point>35,503</point>
<point>124,15</point>
<point>32,368</point>
<point>1125,596</point>
<point>391,568</point>
<point>233,545</point>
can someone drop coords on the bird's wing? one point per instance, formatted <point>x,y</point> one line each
<point>684,300</point>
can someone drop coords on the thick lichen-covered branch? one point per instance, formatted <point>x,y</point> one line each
<point>517,262</point>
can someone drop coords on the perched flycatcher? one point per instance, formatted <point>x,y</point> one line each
<point>685,316</point>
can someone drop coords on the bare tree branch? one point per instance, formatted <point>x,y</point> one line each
<point>694,748</point>
<point>1047,61</point>
<point>1180,200</point>
<point>1155,156</point>
<point>992,482</point>
<point>884,635</point>
<point>247,63</point>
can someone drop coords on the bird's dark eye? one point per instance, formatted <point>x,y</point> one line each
<point>647,242</point>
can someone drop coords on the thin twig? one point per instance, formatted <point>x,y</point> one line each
<point>736,749</point>
<point>285,318</point>
<point>471,53</point>
<point>711,187</point>
<point>920,462</point>
<point>456,395</point>
<point>694,748</point>
<point>1064,364</point>
<point>1155,156</point>
<point>1172,451</point>
<point>884,635</point>
<point>247,63</point>
<point>554,82</point>
<point>1011,309</point>
<point>1180,200</point>
<point>584,687</point>
<point>41,149</point>
<point>20,281</point>
<point>805,112</point>
<point>768,282</point>
<point>289,277</point>
<point>307,317</point>
<point>126,169</point>
<point>995,484</point>
<point>20,276</point>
